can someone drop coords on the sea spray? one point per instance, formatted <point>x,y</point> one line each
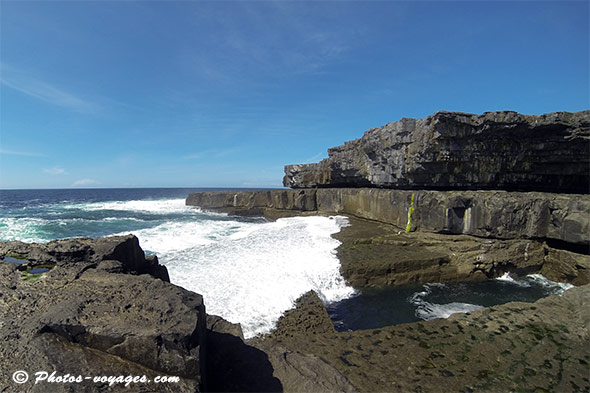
<point>248,269</point>
<point>252,272</point>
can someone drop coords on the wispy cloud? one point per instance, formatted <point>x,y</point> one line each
<point>85,182</point>
<point>314,159</point>
<point>216,153</point>
<point>20,153</point>
<point>44,91</point>
<point>258,40</point>
<point>55,171</point>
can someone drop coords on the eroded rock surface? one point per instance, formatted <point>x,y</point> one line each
<point>298,369</point>
<point>450,150</point>
<point>99,310</point>
<point>529,347</point>
<point>374,254</point>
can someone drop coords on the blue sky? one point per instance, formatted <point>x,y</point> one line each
<point>213,94</point>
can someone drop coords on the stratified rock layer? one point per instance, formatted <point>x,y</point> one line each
<point>373,254</point>
<point>488,214</point>
<point>450,150</point>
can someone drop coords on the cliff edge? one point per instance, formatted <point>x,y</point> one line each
<point>460,151</point>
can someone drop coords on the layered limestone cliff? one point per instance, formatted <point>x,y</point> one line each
<point>489,214</point>
<point>450,150</point>
<point>398,237</point>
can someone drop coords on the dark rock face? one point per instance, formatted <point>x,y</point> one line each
<point>295,366</point>
<point>565,266</point>
<point>234,366</point>
<point>450,150</point>
<point>96,312</point>
<point>121,254</point>
<point>490,214</point>
<point>309,316</point>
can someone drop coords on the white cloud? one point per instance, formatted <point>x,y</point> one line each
<point>55,171</point>
<point>44,91</point>
<point>85,182</point>
<point>21,153</point>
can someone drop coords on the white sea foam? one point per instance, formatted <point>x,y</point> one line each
<point>508,279</point>
<point>248,271</point>
<point>505,277</point>
<point>179,236</point>
<point>23,229</point>
<point>427,310</point>
<point>149,206</point>
<point>251,272</point>
<point>558,288</point>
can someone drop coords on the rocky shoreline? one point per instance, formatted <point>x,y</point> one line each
<point>554,217</point>
<point>452,197</point>
<point>529,347</point>
<point>522,233</point>
<point>101,307</point>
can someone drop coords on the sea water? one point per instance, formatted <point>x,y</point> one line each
<point>375,308</point>
<point>249,270</point>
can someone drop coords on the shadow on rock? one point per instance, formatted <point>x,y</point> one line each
<point>233,366</point>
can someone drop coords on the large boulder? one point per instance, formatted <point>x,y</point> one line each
<point>309,316</point>
<point>450,150</point>
<point>78,254</point>
<point>102,309</point>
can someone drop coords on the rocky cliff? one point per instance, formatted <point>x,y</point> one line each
<point>450,150</point>
<point>489,214</point>
<point>398,237</point>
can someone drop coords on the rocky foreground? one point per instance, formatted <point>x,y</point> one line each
<point>103,308</point>
<point>516,347</point>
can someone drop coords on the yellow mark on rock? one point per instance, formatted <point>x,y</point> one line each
<point>410,212</point>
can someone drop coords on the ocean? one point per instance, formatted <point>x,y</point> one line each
<point>249,270</point>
